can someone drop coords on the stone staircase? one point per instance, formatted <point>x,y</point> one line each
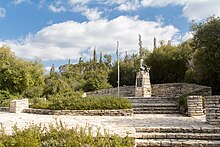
<point>177,137</point>
<point>154,105</point>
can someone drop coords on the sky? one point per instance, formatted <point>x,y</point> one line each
<point>55,31</point>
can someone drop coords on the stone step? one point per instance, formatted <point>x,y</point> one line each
<point>187,136</point>
<point>154,102</point>
<point>156,109</point>
<point>177,130</point>
<point>157,112</point>
<point>153,105</point>
<point>176,143</point>
<point>153,99</point>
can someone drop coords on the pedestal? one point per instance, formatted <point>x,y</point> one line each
<point>143,86</point>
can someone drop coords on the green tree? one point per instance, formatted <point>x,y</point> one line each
<point>94,56</point>
<point>96,76</point>
<point>56,84</point>
<point>107,60</point>
<point>19,77</point>
<point>128,68</point>
<point>206,43</point>
<point>168,64</point>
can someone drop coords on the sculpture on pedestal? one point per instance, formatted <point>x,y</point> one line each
<point>142,85</point>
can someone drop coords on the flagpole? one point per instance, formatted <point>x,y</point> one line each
<point>118,66</point>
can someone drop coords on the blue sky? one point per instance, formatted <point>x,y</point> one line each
<point>58,30</point>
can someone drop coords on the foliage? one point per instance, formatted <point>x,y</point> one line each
<point>19,77</point>
<point>128,67</point>
<point>206,44</point>
<point>55,83</point>
<point>88,76</point>
<point>76,102</point>
<point>59,135</point>
<point>168,64</point>
<point>96,77</point>
<point>182,101</point>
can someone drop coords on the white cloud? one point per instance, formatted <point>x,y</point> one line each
<point>90,14</point>
<point>16,2</point>
<point>187,36</point>
<point>128,6</point>
<point>71,40</point>
<point>57,6</point>
<point>2,12</point>
<point>200,9</point>
<point>193,9</point>
<point>57,9</point>
<point>161,3</point>
<point>82,2</point>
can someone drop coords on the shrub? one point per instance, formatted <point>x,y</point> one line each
<point>183,104</point>
<point>59,135</point>
<point>39,103</point>
<point>76,102</point>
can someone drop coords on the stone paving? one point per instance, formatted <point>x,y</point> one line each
<point>121,125</point>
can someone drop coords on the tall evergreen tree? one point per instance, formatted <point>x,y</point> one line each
<point>100,58</point>
<point>94,56</point>
<point>155,42</point>
<point>140,46</point>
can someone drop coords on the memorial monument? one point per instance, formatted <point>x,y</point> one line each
<point>143,85</point>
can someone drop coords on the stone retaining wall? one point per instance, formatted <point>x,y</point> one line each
<point>212,104</point>
<point>195,105</point>
<point>122,112</point>
<point>124,91</point>
<point>4,109</point>
<point>159,90</point>
<point>178,89</point>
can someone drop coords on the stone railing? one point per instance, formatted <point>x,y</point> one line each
<point>122,112</point>
<point>212,105</point>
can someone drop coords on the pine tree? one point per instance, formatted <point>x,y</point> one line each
<point>94,56</point>
<point>140,47</point>
<point>100,58</point>
<point>155,42</point>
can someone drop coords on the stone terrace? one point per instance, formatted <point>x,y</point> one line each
<point>114,124</point>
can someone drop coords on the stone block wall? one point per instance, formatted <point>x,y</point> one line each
<point>124,91</point>
<point>121,112</point>
<point>142,86</point>
<point>212,104</point>
<point>178,89</point>
<point>17,106</point>
<point>158,90</point>
<point>195,105</point>
<point>4,109</point>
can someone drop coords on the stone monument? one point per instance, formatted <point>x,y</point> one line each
<point>143,85</point>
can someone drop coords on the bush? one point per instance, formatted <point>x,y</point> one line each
<point>39,103</point>
<point>58,136</point>
<point>76,102</point>
<point>183,104</point>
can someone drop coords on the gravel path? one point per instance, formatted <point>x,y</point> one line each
<point>120,125</point>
